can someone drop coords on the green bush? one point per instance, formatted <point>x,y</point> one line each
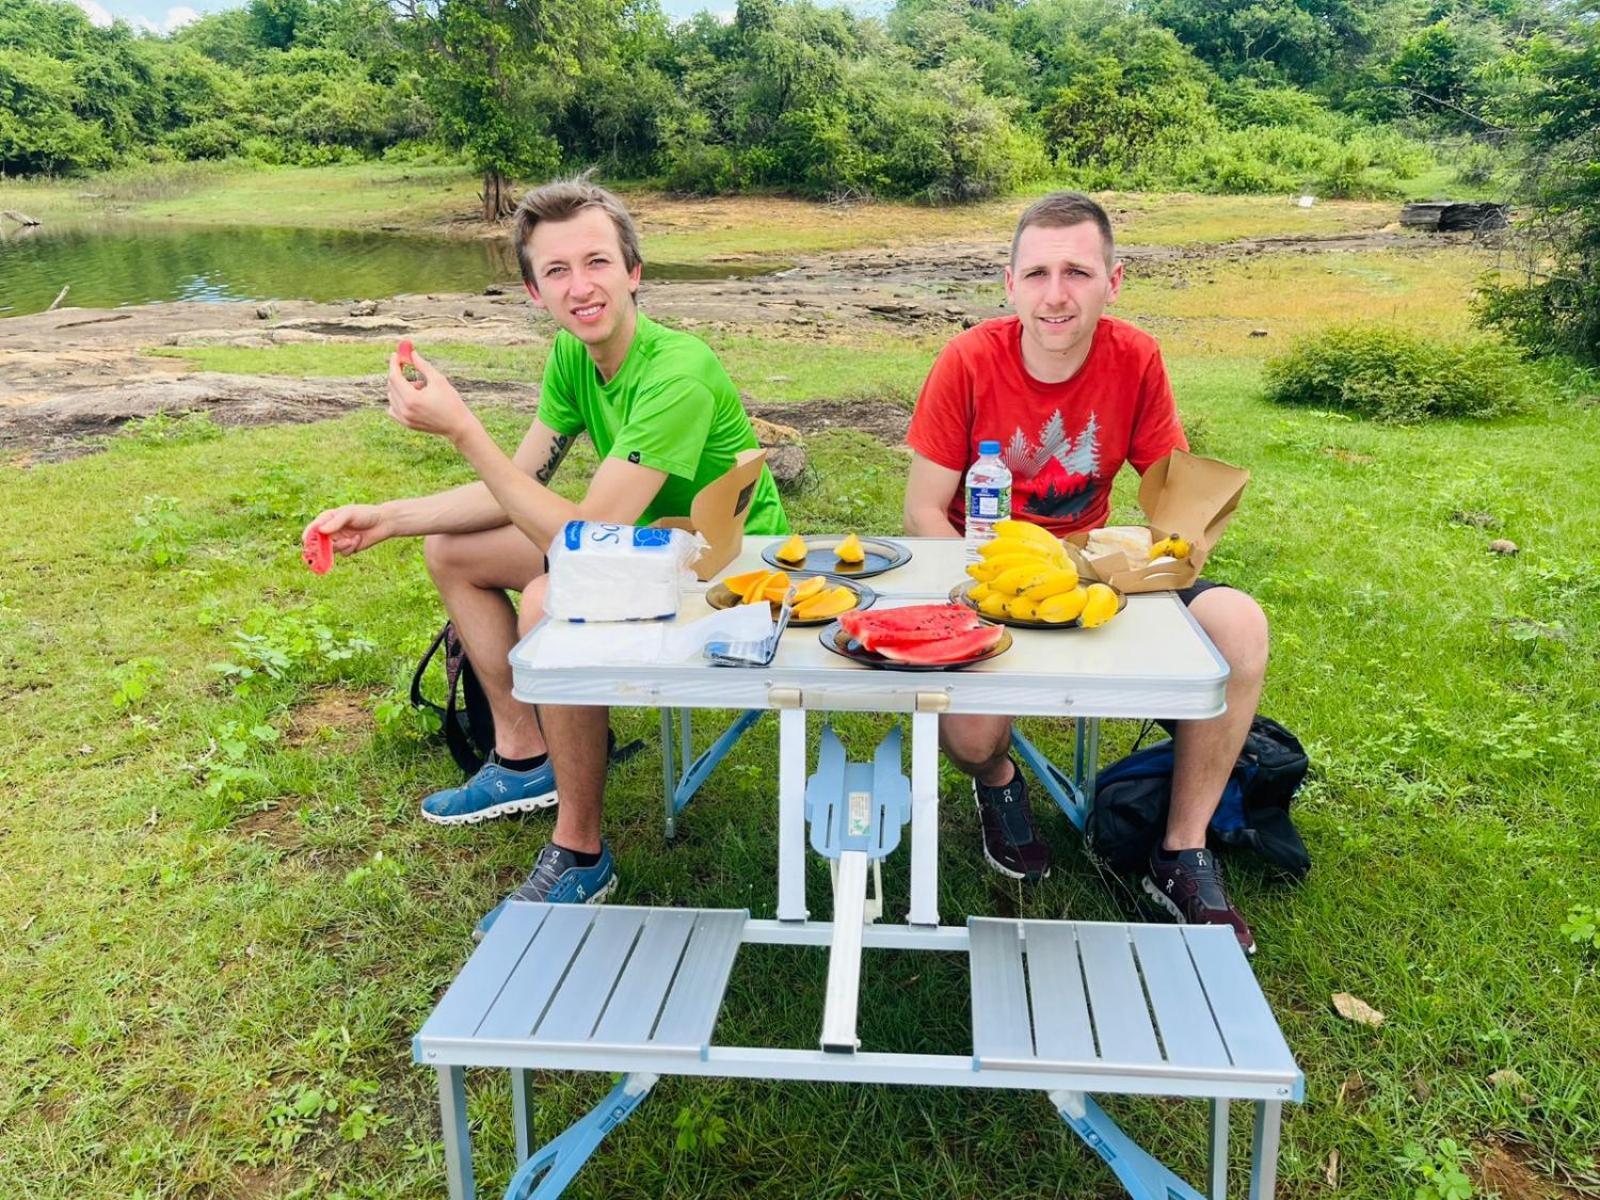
<point>1390,375</point>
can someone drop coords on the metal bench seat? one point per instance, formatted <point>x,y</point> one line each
<point>1145,1001</point>
<point>576,978</point>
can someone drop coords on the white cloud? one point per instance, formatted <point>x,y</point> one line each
<point>176,18</point>
<point>96,14</point>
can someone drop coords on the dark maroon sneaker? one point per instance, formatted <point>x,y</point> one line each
<point>1189,886</point>
<point>1011,841</point>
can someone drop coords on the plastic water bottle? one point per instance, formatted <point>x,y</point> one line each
<point>988,496</point>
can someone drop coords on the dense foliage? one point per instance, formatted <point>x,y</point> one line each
<point>1557,309</point>
<point>1390,375</point>
<point>940,99</point>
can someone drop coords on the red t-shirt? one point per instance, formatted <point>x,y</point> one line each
<point>1063,442</point>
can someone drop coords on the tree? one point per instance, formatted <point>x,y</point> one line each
<point>1556,310</point>
<point>499,72</point>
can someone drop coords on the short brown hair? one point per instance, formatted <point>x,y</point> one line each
<point>1060,209</point>
<point>561,201</point>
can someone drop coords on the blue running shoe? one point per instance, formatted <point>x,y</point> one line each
<point>557,878</point>
<point>493,792</point>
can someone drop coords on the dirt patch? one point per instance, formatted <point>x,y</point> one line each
<point>331,714</point>
<point>262,1183</point>
<point>277,826</point>
<point>1511,1171</point>
<point>883,419</point>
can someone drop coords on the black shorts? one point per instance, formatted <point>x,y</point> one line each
<point>1188,594</point>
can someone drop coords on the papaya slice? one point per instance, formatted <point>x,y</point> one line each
<point>810,588</point>
<point>830,603</point>
<point>757,590</point>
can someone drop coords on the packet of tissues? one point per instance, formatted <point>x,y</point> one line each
<point>603,572</point>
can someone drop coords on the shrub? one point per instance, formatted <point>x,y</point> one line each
<point>1391,375</point>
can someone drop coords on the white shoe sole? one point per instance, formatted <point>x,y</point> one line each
<point>509,808</point>
<point>1019,876</point>
<point>1172,910</point>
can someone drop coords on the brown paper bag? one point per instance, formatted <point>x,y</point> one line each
<point>718,513</point>
<point>1183,495</point>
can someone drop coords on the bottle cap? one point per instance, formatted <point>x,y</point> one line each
<point>988,447</point>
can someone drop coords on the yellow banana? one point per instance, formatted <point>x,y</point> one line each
<point>1100,606</point>
<point>1056,581</point>
<point>1067,606</point>
<point>1022,608</point>
<point>994,605</point>
<point>1024,529</point>
<point>1019,579</point>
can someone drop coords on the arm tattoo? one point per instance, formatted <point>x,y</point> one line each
<point>558,451</point>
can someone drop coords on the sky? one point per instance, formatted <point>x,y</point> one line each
<point>159,16</point>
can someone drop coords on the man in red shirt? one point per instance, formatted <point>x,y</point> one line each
<point>1073,394</point>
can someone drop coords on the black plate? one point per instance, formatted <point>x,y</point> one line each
<point>719,595</point>
<point>836,639</point>
<point>960,594</point>
<point>881,555</point>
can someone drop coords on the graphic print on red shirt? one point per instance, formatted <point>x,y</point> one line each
<point>1063,442</point>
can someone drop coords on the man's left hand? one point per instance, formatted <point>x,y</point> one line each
<point>429,405</point>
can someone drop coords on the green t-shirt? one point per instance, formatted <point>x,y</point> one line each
<point>671,407</point>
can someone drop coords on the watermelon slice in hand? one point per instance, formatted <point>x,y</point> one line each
<point>316,548</point>
<point>406,352</point>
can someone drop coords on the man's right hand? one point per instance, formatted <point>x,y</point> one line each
<point>353,527</point>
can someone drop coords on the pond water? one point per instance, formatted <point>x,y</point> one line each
<point>109,264</point>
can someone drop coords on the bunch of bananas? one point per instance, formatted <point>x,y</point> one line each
<point>1026,575</point>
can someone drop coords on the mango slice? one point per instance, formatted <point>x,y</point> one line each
<point>810,588</point>
<point>829,603</point>
<point>740,584</point>
<point>850,551</point>
<point>792,551</point>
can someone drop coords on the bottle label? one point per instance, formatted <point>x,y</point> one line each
<point>988,503</point>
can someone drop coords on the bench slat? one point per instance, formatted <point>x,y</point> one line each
<point>577,1006</point>
<point>1248,1027</point>
<point>1116,999</point>
<point>1188,1032</point>
<point>1061,1026</point>
<point>690,1012</point>
<point>1000,1024</point>
<point>631,1015</point>
<point>478,985</point>
<point>522,1002</point>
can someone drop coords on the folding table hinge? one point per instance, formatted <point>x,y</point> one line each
<point>933,702</point>
<point>785,697</point>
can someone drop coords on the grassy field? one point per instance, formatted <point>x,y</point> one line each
<point>226,919</point>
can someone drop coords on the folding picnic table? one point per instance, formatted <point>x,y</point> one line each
<point>1065,1007</point>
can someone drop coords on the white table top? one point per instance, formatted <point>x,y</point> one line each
<point>1151,660</point>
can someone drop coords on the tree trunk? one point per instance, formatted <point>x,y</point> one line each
<point>498,201</point>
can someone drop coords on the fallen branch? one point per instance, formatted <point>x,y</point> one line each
<point>20,218</point>
<point>60,296</point>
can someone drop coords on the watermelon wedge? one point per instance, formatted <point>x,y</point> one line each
<point>959,647</point>
<point>910,625</point>
<point>316,548</point>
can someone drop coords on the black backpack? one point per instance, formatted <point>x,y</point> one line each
<point>466,720</point>
<point>1133,794</point>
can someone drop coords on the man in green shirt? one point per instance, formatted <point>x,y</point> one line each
<point>665,420</point>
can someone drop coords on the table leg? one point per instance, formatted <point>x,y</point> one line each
<point>1091,758</point>
<point>844,956</point>
<point>791,814</point>
<point>924,819</point>
<point>457,1137</point>
<point>669,773</point>
<point>522,1112</point>
<point>1264,1149</point>
<point>1219,1149</point>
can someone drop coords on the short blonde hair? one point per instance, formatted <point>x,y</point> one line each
<point>561,201</point>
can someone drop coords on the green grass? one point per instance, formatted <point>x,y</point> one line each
<point>226,919</point>
<point>764,368</point>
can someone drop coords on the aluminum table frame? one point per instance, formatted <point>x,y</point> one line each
<point>1152,661</point>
